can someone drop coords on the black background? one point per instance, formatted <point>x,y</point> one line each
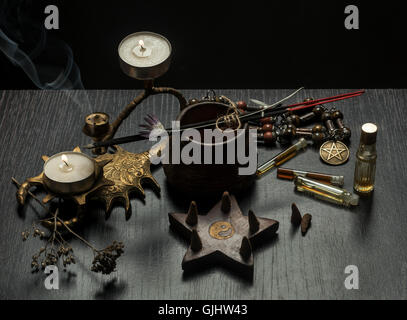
<point>273,44</point>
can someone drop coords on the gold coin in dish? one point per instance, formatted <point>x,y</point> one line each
<point>334,152</point>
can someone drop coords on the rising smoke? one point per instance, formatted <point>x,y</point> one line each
<point>48,62</point>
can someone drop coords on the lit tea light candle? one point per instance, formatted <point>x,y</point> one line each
<point>69,172</point>
<point>141,50</point>
<point>144,55</point>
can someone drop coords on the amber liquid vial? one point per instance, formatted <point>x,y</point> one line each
<point>366,155</point>
<point>282,157</point>
<point>326,192</point>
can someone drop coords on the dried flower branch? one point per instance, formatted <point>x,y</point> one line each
<point>57,249</point>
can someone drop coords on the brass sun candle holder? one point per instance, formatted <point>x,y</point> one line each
<point>79,189</point>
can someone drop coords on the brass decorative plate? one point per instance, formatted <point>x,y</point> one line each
<point>127,170</point>
<point>334,152</point>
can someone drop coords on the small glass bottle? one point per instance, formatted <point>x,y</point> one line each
<point>290,174</point>
<point>282,157</point>
<point>326,192</point>
<point>366,155</point>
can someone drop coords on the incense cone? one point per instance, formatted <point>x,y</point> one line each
<point>305,223</point>
<point>192,217</point>
<point>295,215</point>
<point>226,202</point>
<point>254,224</point>
<point>196,243</point>
<point>245,248</point>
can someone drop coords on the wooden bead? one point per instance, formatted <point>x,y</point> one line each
<point>337,114</point>
<point>294,119</point>
<point>267,127</point>
<point>291,128</point>
<point>318,110</point>
<point>288,133</point>
<point>318,128</point>
<point>269,137</point>
<point>267,120</point>
<point>318,136</point>
<point>346,132</point>
<point>241,105</point>
<point>326,116</point>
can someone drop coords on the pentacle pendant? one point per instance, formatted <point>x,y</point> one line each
<point>334,152</point>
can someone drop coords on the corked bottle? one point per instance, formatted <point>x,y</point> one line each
<point>366,155</point>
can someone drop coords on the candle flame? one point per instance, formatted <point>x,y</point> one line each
<point>141,44</point>
<point>64,158</point>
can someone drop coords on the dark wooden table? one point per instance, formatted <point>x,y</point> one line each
<point>372,236</point>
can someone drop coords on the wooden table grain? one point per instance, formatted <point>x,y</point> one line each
<point>371,236</point>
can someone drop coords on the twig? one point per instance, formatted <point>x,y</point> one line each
<point>55,217</point>
<point>31,194</point>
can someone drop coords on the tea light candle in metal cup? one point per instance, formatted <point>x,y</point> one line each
<point>144,55</point>
<point>70,172</point>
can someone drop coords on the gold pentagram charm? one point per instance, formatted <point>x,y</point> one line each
<point>334,152</point>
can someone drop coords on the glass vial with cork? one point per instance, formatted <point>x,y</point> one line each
<point>366,155</point>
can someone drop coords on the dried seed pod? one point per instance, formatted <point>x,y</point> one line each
<point>305,223</point>
<point>295,215</point>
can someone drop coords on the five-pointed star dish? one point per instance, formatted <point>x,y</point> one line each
<point>334,151</point>
<point>224,235</point>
